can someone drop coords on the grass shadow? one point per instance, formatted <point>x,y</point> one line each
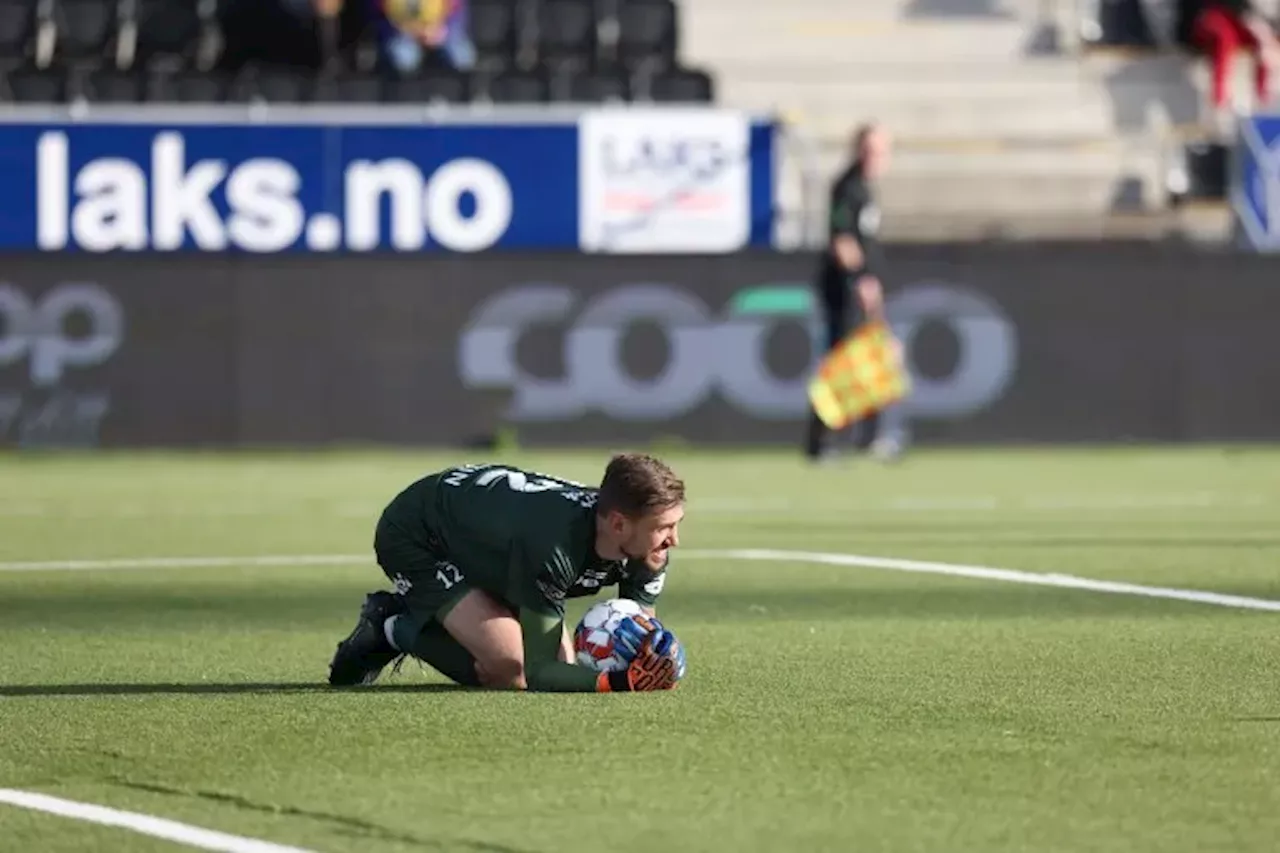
<point>349,826</point>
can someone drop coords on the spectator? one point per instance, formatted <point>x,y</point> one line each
<point>324,14</point>
<point>1220,28</point>
<point>406,40</point>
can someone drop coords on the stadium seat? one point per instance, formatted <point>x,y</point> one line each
<point>436,86</point>
<point>595,88</point>
<point>167,28</point>
<point>1115,24</point>
<point>567,33</point>
<point>348,89</point>
<point>647,33</point>
<point>37,86</point>
<point>493,31</point>
<point>188,87</point>
<point>273,85</point>
<point>84,28</point>
<point>682,85</point>
<point>517,87</point>
<point>110,86</point>
<point>17,25</point>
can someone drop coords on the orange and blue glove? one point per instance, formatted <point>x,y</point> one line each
<point>658,664</point>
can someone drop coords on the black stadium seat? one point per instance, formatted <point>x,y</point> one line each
<point>1115,23</point>
<point>17,27</point>
<point>167,28</point>
<point>188,87</point>
<point>435,86</point>
<point>113,87</point>
<point>493,31</point>
<point>29,85</point>
<point>84,28</point>
<point>647,33</point>
<point>518,87</point>
<point>348,89</point>
<point>598,87</point>
<point>567,33</point>
<point>272,85</point>
<point>682,85</point>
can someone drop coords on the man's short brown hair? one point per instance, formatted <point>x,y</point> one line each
<point>636,484</point>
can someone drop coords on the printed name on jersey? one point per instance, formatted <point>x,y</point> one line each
<point>525,483</point>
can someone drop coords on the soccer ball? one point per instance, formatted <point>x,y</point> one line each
<point>593,644</point>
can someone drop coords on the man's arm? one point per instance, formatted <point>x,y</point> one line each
<point>566,644</point>
<point>544,636</point>
<point>857,253</point>
<point>643,588</point>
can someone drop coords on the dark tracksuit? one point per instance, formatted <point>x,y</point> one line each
<point>853,212</point>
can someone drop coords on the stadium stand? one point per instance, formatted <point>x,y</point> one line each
<point>208,51</point>
<point>1012,117</point>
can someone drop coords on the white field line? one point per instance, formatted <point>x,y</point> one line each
<point>986,573</point>
<point>282,560</point>
<point>169,830</point>
<point>1046,503</point>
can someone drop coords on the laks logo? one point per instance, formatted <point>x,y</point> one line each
<point>172,201</point>
<point>670,181</point>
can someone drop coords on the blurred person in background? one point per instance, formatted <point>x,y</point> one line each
<point>412,31</point>
<point>848,283</point>
<point>323,15</point>
<point>1221,28</point>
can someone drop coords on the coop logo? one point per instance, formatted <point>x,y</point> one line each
<point>46,341</point>
<point>715,353</point>
<point>174,202</point>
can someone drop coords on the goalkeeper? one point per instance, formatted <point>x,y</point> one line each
<point>482,558</point>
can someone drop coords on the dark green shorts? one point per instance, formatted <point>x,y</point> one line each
<point>429,583</point>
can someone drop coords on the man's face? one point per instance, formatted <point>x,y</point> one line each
<point>650,537</point>
<point>875,153</point>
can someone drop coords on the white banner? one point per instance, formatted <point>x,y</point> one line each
<point>664,180</point>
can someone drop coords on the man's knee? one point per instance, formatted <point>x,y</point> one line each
<point>502,674</point>
<point>488,629</point>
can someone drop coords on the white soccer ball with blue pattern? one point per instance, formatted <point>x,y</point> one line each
<point>594,643</point>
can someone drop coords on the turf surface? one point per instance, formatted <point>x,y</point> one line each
<point>826,707</point>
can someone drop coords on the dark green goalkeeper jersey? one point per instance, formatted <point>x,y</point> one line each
<point>525,538</point>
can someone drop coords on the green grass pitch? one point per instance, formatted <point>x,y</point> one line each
<point>827,708</point>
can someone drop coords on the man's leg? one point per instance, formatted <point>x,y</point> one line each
<point>835,325</point>
<point>425,586</point>
<point>490,631</point>
<point>437,648</point>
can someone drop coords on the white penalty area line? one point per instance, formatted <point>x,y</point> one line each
<point>169,830</point>
<point>986,573</point>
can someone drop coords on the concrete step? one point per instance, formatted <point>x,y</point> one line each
<point>1011,72</point>
<point>712,36</point>
<point>1003,194</point>
<point>1007,179</point>
<point>937,11</point>
<point>833,118</point>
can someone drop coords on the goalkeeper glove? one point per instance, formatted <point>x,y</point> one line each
<point>658,665</point>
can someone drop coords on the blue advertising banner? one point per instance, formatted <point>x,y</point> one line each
<point>1255,190</point>
<point>611,181</point>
